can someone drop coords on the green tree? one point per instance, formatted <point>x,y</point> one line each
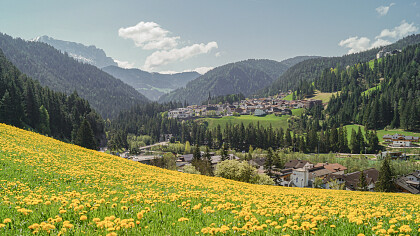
<point>187,147</point>
<point>190,169</point>
<point>84,137</point>
<point>362,185</point>
<point>44,121</point>
<point>268,165</point>
<point>235,170</point>
<point>197,153</point>
<point>385,181</point>
<point>167,161</point>
<point>224,152</point>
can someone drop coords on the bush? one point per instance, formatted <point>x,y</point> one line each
<point>241,171</point>
<point>190,169</point>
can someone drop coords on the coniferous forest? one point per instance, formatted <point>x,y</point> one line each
<point>26,104</point>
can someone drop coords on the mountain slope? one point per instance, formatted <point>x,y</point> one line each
<point>152,85</point>
<point>240,77</point>
<point>24,103</point>
<point>60,72</point>
<point>42,178</point>
<point>86,54</point>
<point>308,70</point>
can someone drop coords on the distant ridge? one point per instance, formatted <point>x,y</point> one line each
<point>86,54</point>
<point>244,77</point>
<point>59,72</point>
<point>151,85</point>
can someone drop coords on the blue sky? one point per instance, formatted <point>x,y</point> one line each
<point>185,35</point>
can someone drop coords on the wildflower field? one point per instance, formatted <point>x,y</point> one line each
<point>49,187</point>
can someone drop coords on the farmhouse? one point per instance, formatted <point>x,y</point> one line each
<point>399,140</point>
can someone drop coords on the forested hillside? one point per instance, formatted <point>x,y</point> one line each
<point>308,70</point>
<point>387,95</point>
<point>244,77</point>
<point>24,103</point>
<point>62,73</point>
<point>151,85</point>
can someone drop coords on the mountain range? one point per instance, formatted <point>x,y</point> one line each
<point>59,72</point>
<point>244,77</point>
<point>86,54</point>
<point>151,85</point>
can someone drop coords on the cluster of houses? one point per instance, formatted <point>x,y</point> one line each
<point>257,107</point>
<point>214,159</point>
<point>399,140</point>
<point>304,174</point>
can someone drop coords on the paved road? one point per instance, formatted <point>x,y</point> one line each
<point>153,145</point>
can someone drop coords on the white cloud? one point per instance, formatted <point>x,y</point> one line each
<point>149,35</point>
<point>355,44</point>
<point>358,44</point>
<point>124,64</point>
<point>383,10</point>
<point>218,54</point>
<point>400,31</point>
<point>379,43</point>
<point>164,57</point>
<point>200,70</point>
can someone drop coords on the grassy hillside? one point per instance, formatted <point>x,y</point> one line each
<point>275,121</point>
<point>380,133</point>
<point>325,97</point>
<point>50,187</point>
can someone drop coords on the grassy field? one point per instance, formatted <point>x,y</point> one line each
<point>380,133</point>
<point>288,97</point>
<point>275,121</point>
<point>52,188</point>
<point>325,97</point>
<point>367,92</point>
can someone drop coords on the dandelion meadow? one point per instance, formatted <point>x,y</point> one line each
<point>52,188</point>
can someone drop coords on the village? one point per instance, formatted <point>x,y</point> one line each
<point>304,174</point>
<point>254,106</point>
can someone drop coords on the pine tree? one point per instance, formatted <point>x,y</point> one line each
<point>268,165</point>
<point>385,181</point>
<point>84,137</point>
<point>362,185</point>
<point>224,152</point>
<point>44,121</point>
<point>197,153</point>
<point>6,109</point>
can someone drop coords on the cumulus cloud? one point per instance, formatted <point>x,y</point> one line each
<point>400,31</point>
<point>124,64</point>
<point>358,44</point>
<point>200,70</point>
<point>383,10</point>
<point>149,35</point>
<point>164,57</point>
<point>355,44</point>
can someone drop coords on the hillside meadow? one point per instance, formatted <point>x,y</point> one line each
<point>52,188</point>
<point>276,122</point>
<point>380,133</point>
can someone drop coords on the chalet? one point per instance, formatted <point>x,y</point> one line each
<point>409,183</point>
<point>392,155</point>
<point>352,179</point>
<point>334,168</point>
<point>399,140</point>
<point>296,164</point>
<point>259,112</point>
